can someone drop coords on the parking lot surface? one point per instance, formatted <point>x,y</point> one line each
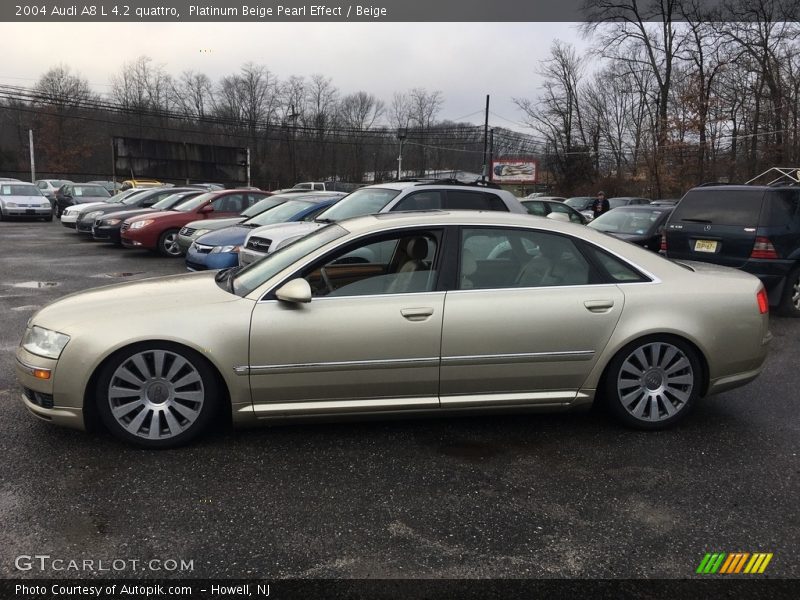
<point>569,495</point>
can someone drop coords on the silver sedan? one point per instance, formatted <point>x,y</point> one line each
<point>408,314</point>
<point>19,199</point>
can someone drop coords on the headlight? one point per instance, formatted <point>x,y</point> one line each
<point>110,221</point>
<point>44,342</point>
<point>200,232</point>
<point>91,215</point>
<point>140,224</point>
<point>11,204</point>
<point>222,249</point>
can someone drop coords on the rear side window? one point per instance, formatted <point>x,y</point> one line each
<point>720,207</point>
<point>470,200</point>
<point>782,208</point>
<point>619,271</point>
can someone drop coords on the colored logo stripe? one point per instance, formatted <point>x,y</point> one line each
<point>735,562</point>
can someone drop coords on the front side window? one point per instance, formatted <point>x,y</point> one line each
<point>402,263</point>
<point>509,258</point>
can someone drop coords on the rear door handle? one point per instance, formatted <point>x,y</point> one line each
<point>416,314</point>
<point>599,306</point>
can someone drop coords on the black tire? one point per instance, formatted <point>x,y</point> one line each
<point>2,216</point>
<point>790,300</point>
<point>191,404</point>
<point>665,403</point>
<point>49,218</point>
<point>168,244</point>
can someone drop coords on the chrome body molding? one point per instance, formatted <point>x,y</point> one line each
<point>400,363</point>
<point>347,365</point>
<point>521,357</point>
<point>343,406</point>
<point>550,398</point>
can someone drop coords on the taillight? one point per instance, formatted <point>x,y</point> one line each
<point>763,301</point>
<point>663,243</point>
<point>763,248</point>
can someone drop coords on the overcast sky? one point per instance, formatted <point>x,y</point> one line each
<point>465,61</point>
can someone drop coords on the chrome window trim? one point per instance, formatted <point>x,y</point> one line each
<point>347,239</point>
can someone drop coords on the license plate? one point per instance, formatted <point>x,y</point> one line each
<point>705,246</point>
<point>30,211</point>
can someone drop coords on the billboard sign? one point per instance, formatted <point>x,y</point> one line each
<point>515,170</point>
<point>179,161</point>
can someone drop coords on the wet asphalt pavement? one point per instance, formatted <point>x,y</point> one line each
<point>571,495</point>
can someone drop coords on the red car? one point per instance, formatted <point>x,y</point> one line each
<point>158,231</point>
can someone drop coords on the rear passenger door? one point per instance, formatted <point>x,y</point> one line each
<point>528,318</point>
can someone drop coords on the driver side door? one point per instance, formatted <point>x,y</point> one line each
<point>367,342</point>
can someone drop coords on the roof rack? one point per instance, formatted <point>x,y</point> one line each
<point>711,184</point>
<point>476,183</point>
<point>786,175</point>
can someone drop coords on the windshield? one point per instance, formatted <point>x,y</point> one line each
<point>365,201</point>
<point>19,190</point>
<point>633,222</point>
<point>254,274</point>
<point>261,206</point>
<point>279,214</point>
<point>190,205</point>
<point>90,190</point>
<point>579,203</point>
<point>173,200</point>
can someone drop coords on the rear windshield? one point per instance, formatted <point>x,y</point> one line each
<point>782,208</point>
<point>720,207</point>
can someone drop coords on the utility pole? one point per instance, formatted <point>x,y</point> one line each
<point>402,132</point>
<point>248,167</point>
<point>33,160</point>
<point>485,140</point>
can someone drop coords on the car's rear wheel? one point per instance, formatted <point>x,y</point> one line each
<point>790,302</point>
<point>168,243</point>
<point>654,382</point>
<point>158,395</point>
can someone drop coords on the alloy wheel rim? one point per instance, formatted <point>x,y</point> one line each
<point>655,381</point>
<point>171,244</point>
<point>796,292</point>
<point>156,394</point>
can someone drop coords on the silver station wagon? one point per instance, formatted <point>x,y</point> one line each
<point>417,313</point>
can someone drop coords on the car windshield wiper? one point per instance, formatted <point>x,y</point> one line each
<point>697,220</point>
<point>324,221</point>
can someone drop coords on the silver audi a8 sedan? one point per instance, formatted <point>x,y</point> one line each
<point>417,313</point>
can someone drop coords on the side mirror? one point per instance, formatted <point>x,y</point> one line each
<point>207,209</point>
<point>296,290</point>
<point>557,216</point>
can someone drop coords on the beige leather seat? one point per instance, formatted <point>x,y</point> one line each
<point>416,249</point>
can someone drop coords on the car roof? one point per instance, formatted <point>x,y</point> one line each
<point>645,207</point>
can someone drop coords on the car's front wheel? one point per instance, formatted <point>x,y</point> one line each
<point>158,395</point>
<point>654,382</point>
<point>790,302</point>
<point>168,243</point>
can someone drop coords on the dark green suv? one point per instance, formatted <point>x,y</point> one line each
<point>752,228</point>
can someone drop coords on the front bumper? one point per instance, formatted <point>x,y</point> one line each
<point>202,261</point>
<point>185,242</point>
<point>38,394</point>
<point>84,226</point>
<point>27,211</point>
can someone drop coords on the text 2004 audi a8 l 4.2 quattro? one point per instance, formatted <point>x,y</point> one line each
<point>413,314</point>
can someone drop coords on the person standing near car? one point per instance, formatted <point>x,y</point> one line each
<point>600,205</point>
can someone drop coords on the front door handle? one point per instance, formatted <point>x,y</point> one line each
<point>599,306</point>
<point>416,314</point>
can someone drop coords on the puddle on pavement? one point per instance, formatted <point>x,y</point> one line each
<point>32,285</point>
<point>27,307</point>
<point>119,275</point>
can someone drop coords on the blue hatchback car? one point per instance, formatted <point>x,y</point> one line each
<point>220,249</point>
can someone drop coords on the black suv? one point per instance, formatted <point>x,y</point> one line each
<point>753,228</point>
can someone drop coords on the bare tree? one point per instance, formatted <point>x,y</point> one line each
<point>61,88</point>
<point>192,94</point>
